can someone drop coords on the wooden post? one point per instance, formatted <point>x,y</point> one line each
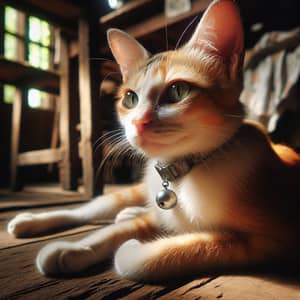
<point>89,96</point>
<point>15,183</point>
<point>67,177</point>
<point>86,149</point>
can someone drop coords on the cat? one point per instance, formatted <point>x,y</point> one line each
<point>226,197</point>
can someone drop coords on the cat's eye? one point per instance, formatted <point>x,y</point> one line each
<point>130,100</point>
<point>177,91</point>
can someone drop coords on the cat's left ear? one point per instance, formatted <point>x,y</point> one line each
<point>221,31</point>
<point>126,50</point>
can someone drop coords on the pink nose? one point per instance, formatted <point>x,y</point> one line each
<point>141,123</point>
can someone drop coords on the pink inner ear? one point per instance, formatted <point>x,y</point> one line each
<point>221,27</point>
<point>126,50</point>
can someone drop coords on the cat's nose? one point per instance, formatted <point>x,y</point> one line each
<point>141,123</point>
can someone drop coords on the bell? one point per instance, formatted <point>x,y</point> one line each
<point>166,199</point>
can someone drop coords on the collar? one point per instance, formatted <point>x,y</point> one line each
<point>171,171</point>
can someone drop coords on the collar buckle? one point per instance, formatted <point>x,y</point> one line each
<point>173,171</point>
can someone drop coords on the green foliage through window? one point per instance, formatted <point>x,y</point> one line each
<point>9,93</point>
<point>10,46</point>
<point>11,19</point>
<point>37,41</point>
<point>40,100</point>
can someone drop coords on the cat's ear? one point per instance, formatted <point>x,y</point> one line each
<point>126,50</point>
<point>220,30</point>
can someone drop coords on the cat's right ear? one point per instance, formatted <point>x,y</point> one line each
<point>126,50</point>
<point>220,30</point>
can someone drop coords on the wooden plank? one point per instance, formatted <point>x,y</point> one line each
<point>248,287</point>
<point>37,157</point>
<point>174,289</point>
<point>125,9</point>
<point>86,149</point>
<point>160,21</point>
<point>22,74</point>
<point>15,140</point>
<point>90,108</point>
<point>65,120</point>
<point>20,280</point>
<point>45,196</point>
<point>21,200</point>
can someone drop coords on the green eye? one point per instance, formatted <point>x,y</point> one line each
<point>178,91</point>
<point>130,100</point>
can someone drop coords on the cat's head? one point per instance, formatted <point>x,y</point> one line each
<point>187,100</point>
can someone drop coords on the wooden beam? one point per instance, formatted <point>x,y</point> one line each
<point>23,75</point>
<point>38,157</point>
<point>65,120</point>
<point>63,15</point>
<point>15,140</point>
<point>131,6</point>
<point>86,149</point>
<point>160,21</point>
<point>90,103</point>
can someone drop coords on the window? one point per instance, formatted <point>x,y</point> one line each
<point>39,43</point>
<point>14,32</point>
<point>9,93</point>
<point>28,38</point>
<point>40,100</point>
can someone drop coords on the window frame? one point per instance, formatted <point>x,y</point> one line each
<point>23,52</point>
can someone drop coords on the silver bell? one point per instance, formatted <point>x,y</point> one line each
<point>166,199</point>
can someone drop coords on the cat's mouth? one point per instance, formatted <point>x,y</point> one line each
<point>154,145</point>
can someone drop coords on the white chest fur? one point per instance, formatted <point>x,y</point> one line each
<point>201,196</point>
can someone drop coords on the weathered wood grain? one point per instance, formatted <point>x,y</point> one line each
<point>242,287</point>
<point>19,278</point>
<point>37,157</point>
<point>15,139</point>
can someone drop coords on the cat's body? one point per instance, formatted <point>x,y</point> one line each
<point>237,207</point>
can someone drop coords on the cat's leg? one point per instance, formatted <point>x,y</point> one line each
<point>190,254</point>
<point>100,208</point>
<point>60,257</point>
<point>130,213</point>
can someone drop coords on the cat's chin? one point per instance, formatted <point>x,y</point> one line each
<point>158,148</point>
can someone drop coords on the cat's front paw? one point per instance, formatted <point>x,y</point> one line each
<point>128,261</point>
<point>62,258</point>
<point>130,213</point>
<point>22,225</point>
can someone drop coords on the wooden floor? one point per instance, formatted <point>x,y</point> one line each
<point>20,280</point>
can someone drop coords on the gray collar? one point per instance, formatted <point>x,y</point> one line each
<point>171,171</point>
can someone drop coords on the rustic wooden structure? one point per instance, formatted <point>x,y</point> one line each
<point>73,21</point>
<point>86,61</point>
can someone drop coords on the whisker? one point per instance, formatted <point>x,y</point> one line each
<point>107,135</point>
<point>184,32</point>
<point>106,139</point>
<point>166,35</point>
<point>116,146</point>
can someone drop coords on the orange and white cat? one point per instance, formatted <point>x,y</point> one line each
<point>233,201</point>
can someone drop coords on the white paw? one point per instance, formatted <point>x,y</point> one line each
<point>22,225</point>
<point>130,213</point>
<point>127,260</point>
<point>60,258</point>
